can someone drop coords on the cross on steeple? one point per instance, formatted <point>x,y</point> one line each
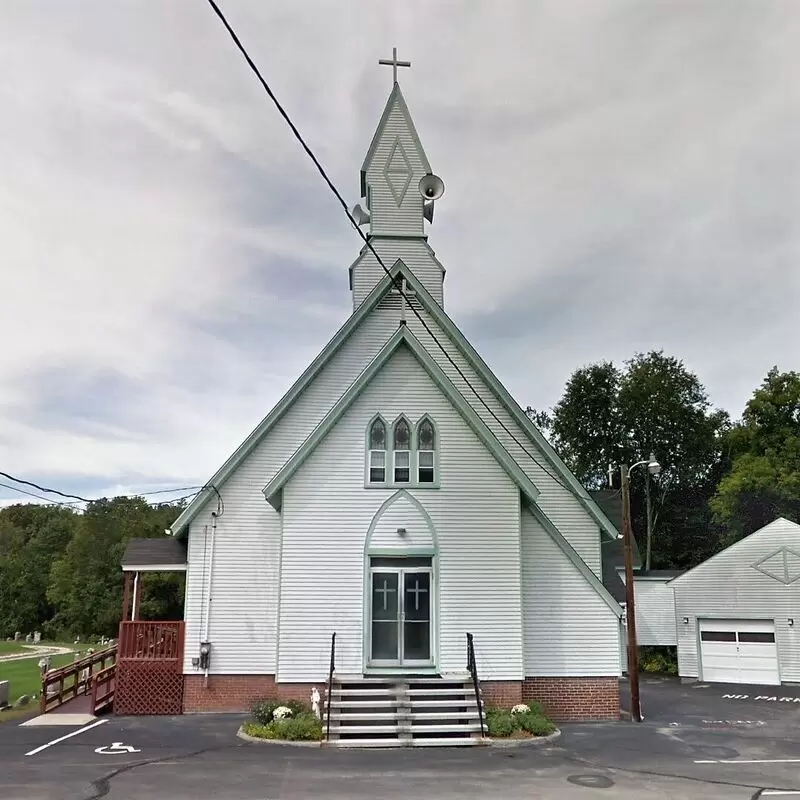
<point>394,64</point>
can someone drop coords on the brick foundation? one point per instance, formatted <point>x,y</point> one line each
<point>575,699</point>
<point>237,692</point>
<point>502,693</point>
<point>564,699</point>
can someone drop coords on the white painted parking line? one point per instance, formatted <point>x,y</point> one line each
<point>752,761</point>
<point>68,736</point>
<point>776,793</point>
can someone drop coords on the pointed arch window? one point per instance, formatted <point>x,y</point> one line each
<point>401,451</point>
<point>376,451</point>
<point>426,455</point>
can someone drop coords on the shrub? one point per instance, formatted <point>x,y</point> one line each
<point>262,710</point>
<point>501,722</point>
<point>304,727</point>
<point>535,724</point>
<point>659,660</point>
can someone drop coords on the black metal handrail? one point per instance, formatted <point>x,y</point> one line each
<point>330,688</point>
<point>473,671</point>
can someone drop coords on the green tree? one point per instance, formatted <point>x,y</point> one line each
<point>86,584</point>
<point>31,538</point>
<point>764,480</point>
<point>609,416</point>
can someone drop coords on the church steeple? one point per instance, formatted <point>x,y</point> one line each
<point>398,188</point>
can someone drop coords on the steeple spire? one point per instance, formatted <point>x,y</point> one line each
<point>399,190</point>
<point>394,64</point>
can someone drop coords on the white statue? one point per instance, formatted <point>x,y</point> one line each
<point>315,702</point>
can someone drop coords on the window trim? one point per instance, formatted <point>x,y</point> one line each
<point>369,451</point>
<point>418,451</point>
<point>409,451</point>
<point>413,481</point>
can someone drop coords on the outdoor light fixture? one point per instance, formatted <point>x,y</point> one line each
<point>791,621</point>
<point>686,620</point>
<point>653,467</point>
<point>205,654</point>
<point>401,531</point>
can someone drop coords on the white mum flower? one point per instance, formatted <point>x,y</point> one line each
<point>281,712</point>
<point>520,708</point>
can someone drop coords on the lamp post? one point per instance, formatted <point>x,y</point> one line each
<point>653,467</point>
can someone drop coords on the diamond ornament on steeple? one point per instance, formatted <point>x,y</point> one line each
<point>398,172</point>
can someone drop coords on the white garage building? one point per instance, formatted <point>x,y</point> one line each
<point>735,618</point>
<point>737,615</point>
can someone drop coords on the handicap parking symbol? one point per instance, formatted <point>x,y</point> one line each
<point>116,748</point>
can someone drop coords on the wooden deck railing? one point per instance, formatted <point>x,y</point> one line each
<point>151,641</point>
<point>77,679</point>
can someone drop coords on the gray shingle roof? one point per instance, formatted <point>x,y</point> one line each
<point>166,551</point>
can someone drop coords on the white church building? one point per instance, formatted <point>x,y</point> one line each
<point>399,498</point>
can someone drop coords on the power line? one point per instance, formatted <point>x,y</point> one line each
<point>38,496</point>
<point>45,489</point>
<point>368,243</point>
<point>80,499</point>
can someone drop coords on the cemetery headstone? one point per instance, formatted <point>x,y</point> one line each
<point>22,701</point>
<point>17,636</point>
<point>4,691</point>
<point>29,638</point>
<point>37,637</point>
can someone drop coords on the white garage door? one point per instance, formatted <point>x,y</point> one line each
<point>739,651</point>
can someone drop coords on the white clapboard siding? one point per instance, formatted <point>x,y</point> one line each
<point>655,612</point>
<point>729,586</point>
<point>416,254</point>
<point>387,216</point>
<point>327,514</point>
<point>569,630</point>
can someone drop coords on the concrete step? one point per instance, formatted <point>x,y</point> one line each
<point>436,690</point>
<point>452,703</point>
<point>357,716</point>
<point>340,729</point>
<point>460,741</point>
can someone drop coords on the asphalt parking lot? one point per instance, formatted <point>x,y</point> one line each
<point>695,742</point>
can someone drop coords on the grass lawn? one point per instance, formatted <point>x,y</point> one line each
<point>10,648</point>
<point>24,677</point>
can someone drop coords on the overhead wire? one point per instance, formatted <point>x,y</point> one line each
<point>38,496</point>
<point>78,499</point>
<point>215,7</point>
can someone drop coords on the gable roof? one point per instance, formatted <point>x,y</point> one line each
<point>469,353</point>
<point>402,337</point>
<point>395,96</point>
<point>736,545</point>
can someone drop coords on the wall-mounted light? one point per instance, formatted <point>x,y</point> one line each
<point>686,620</point>
<point>401,531</point>
<point>791,621</point>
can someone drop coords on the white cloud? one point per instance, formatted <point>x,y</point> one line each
<point>628,174</point>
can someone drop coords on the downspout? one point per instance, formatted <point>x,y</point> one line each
<point>210,584</point>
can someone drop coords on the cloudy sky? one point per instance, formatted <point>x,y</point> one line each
<point>627,172</point>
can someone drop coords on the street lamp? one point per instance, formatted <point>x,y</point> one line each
<point>653,467</point>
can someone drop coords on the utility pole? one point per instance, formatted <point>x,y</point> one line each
<point>630,611</point>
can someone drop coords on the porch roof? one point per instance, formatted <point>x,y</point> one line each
<point>164,554</point>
